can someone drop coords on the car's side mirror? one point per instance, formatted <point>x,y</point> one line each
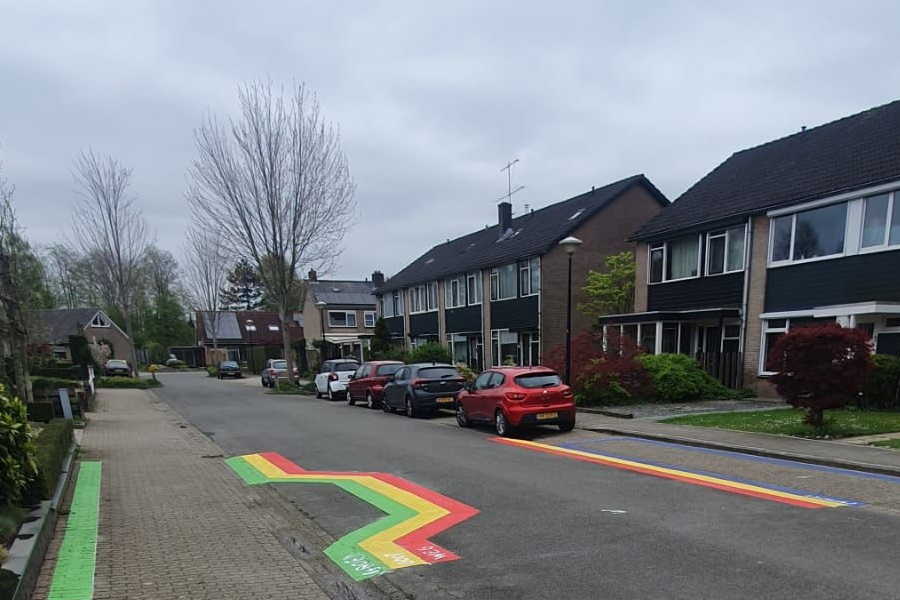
<point>352,376</point>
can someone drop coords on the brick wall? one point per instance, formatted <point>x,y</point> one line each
<point>640,277</point>
<point>121,344</point>
<point>603,235</point>
<point>759,252</point>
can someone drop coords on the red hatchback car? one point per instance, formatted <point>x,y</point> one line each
<point>512,397</point>
<point>367,384</point>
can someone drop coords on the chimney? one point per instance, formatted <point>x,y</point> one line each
<point>377,279</point>
<point>312,275</point>
<point>505,213</point>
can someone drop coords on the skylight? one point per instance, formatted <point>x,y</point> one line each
<point>577,214</point>
<point>429,261</point>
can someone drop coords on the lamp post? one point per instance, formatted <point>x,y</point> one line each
<point>570,245</point>
<point>321,304</point>
<point>250,329</point>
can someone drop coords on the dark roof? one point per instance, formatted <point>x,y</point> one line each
<point>233,328</point>
<point>845,155</point>
<point>532,234</point>
<point>54,326</point>
<point>342,293</point>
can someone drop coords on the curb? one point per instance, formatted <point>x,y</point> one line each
<point>26,556</point>
<point>604,412</point>
<point>754,451</point>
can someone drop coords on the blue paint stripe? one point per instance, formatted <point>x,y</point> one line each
<point>764,459</point>
<point>768,486</point>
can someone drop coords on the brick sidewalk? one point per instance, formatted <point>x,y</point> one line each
<point>175,525</point>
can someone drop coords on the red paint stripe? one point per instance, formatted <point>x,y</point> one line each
<point>648,471</point>
<point>291,468</point>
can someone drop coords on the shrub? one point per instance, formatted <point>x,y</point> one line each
<point>17,462</point>
<point>286,386</point>
<point>587,347</point>
<point>820,367</point>
<point>882,390</point>
<point>467,373</point>
<point>52,444</point>
<point>212,371</point>
<point>430,352</point>
<point>57,372</point>
<point>126,382</point>
<point>175,363</point>
<point>679,378</point>
<point>52,383</point>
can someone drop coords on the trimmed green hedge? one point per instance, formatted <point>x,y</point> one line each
<point>52,383</point>
<point>680,378</point>
<point>882,390</point>
<point>127,382</point>
<point>41,412</point>
<point>52,443</point>
<point>60,372</point>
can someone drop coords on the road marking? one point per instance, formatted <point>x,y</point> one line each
<point>754,490</point>
<point>73,574</point>
<point>397,540</point>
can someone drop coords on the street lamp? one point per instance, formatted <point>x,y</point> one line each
<point>570,245</point>
<point>250,329</point>
<point>321,304</point>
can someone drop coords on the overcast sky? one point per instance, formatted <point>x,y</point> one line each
<point>432,98</point>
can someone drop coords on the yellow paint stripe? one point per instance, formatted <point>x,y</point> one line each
<point>600,458</point>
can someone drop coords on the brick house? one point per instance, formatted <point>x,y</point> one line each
<point>803,229</point>
<point>242,333</point>
<point>341,311</point>
<point>499,294</point>
<point>54,326</point>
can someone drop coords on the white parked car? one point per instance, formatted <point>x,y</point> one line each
<point>333,376</point>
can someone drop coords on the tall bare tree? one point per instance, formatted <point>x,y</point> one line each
<point>63,269</point>
<point>110,231</point>
<point>206,270</point>
<point>162,272</point>
<point>277,184</point>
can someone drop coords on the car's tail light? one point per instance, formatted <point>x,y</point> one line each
<point>515,396</point>
<point>419,383</point>
<point>333,377</point>
<point>567,393</point>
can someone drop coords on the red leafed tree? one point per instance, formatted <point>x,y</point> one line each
<point>820,367</point>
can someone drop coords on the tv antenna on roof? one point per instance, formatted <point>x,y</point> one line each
<point>509,188</point>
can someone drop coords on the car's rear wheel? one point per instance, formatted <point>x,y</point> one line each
<point>501,424</point>
<point>564,427</point>
<point>461,418</point>
<point>411,408</point>
<point>330,394</point>
<point>370,401</point>
<point>318,393</point>
<point>385,406</point>
<point>350,399</point>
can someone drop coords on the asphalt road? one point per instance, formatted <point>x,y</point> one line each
<point>551,527</point>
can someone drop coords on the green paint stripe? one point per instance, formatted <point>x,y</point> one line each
<point>246,471</point>
<point>73,576</point>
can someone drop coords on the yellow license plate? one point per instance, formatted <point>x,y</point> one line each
<point>547,416</point>
<point>445,400</point>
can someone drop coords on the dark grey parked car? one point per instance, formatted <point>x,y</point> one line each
<point>422,387</point>
<point>229,368</point>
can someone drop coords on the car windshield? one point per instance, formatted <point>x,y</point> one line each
<point>117,363</point>
<point>230,364</point>
<point>279,364</point>
<point>437,373</point>
<point>538,380</point>
<point>388,369</point>
<point>347,366</point>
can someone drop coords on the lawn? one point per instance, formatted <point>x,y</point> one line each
<point>787,421</point>
<point>887,444</point>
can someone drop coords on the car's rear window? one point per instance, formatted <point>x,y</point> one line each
<point>229,363</point>
<point>279,364</point>
<point>388,369</point>
<point>117,363</point>
<point>437,373</point>
<point>532,381</point>
<point>348,366</point>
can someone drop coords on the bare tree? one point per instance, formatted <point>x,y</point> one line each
<point>277,184</point>
<point>162,273</point>
<point>206,269</point>
<point>110,231</point>
<point>13,330</point>
<point>65,277</point>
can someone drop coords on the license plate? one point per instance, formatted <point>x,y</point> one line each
<point>445,400</point>
<point>547,416</point>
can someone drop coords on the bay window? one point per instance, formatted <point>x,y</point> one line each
<point>881,221</point>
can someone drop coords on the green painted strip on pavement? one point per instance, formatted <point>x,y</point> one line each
<point>246,471</point>
<point>73,575</point>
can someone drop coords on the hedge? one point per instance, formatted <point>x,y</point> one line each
<point>60,372</point>
<point>882,390</point>
<point>127,382</point>
<point>52,383</point>
<point>52,443</point>
<point>680,378</point>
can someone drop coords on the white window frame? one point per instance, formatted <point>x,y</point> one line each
<point>423,298</point>
<point>496,344</point>
<point>459,299</point>
<point>893,204</point>
<point>397,299</point>
<point>347,314</point>
<point>99,320</point>
<point>726,234</point>
<point>369,315</point>
<point>848,242</point>
<point>387,306</point>
<point>665,248</point>
<point>431,296</point>
<point>495,277</point>
<point>765,329</point>
<point>529,267</point>
<point>476,289</point>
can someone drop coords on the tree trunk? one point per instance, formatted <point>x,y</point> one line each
<point>286,342</point>
<point>128,332</point>
<point>815,417</point>
<point>215,336</point>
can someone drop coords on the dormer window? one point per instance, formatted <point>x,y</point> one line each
<point>99,321</point>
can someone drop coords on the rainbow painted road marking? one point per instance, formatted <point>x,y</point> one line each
<point>755,490</point>
<point>397,540</point>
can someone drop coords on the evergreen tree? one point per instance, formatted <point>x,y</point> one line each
<point>244,290</point>
<point>382,343</point>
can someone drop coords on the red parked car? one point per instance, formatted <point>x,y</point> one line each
<point>513,397</point>
<point>367,384</point>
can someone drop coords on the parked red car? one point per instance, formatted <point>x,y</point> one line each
<point>367,384</point>
<point>513,397</point>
